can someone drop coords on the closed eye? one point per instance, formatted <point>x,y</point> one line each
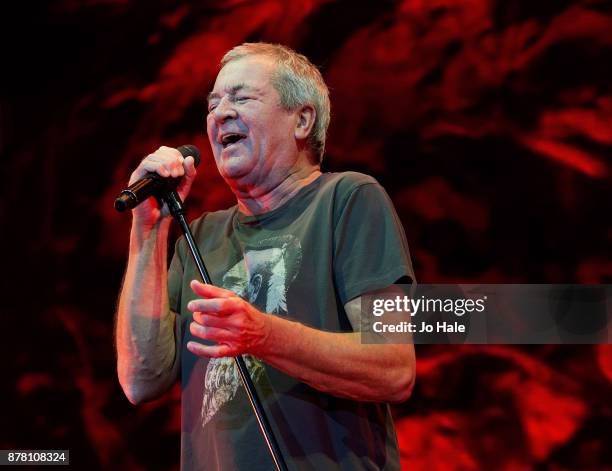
<point>236,99</point>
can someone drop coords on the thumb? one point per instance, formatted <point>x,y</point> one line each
<point>189,166</point>
<point>188,177</point>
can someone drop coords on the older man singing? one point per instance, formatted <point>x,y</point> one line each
<point>289,262</point>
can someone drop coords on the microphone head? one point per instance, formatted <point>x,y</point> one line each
<point>190,150</point>
<point>125,200</point>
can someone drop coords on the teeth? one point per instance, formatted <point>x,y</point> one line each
<point>230,139</point>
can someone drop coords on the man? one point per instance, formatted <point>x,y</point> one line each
<point>290,263</point>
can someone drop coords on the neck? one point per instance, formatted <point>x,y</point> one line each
<point>259,200</point>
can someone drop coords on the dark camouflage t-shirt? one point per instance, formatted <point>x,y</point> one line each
<point>338,238</point>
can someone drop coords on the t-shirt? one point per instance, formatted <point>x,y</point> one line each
<point>336,239</point>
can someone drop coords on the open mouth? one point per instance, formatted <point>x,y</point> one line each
<point>231,138</point>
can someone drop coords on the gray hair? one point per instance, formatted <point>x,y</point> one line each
<point>297,81</point>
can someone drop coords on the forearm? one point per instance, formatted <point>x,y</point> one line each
<point>335,363</point>
<point>338,363</point>
<point>145,325</point>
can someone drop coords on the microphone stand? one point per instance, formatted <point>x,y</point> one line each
<point>172,199</point>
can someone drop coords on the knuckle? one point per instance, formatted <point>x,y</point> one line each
<point>150,161</point>
<point>235,303</point>
<point>146,164</point>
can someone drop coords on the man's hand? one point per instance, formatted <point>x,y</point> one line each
<point>223,317</point>
<point>168,163</point>
<point>332,362</point>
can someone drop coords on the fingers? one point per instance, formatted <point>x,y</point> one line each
<point>189,176</point>
<point>214,334</point>
<point>165,161</point>
<point>219,315</point>
<point>220,330</point>
<point>207,320</point>
<point>210,291</point>
<point>216,306</point>
<point>212,351</point>
<point>189,166</point>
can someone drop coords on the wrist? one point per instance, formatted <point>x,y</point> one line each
<point>277,333</point>
<point>143,234</point>
<point>145,228</point>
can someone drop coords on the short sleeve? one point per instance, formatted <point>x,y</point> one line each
<point>370,247</point>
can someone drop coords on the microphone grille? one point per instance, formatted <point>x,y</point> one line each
<point>190,150</point>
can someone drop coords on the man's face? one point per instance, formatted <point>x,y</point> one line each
<point>251,135</point>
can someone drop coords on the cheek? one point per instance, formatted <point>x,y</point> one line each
<point>211,129</point>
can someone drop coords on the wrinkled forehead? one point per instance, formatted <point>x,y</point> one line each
<point>250,73</point>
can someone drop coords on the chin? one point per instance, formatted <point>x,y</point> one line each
<point>235,167</point>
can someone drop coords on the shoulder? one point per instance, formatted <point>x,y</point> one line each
<point>350,186</point>
<point>342,186</point>
<point>346,182</point>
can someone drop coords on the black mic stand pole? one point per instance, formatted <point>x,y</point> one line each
<point>172,199</point>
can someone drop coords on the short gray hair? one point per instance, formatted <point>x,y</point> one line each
<point>297,81</point>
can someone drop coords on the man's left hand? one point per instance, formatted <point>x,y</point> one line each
<point>223,317</point>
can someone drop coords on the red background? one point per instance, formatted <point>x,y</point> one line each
<point>488,122</point>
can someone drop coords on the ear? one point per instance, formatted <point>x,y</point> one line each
<point>305,121</point>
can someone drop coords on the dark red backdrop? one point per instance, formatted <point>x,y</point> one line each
<point>489,123</point>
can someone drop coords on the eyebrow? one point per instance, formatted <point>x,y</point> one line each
<point>230,91</point>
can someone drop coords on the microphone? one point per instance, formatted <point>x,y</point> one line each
<point>152,183</point>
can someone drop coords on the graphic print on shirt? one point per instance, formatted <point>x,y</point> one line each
<point>263,278</point>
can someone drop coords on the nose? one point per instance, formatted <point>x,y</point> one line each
<point>224,110</point>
